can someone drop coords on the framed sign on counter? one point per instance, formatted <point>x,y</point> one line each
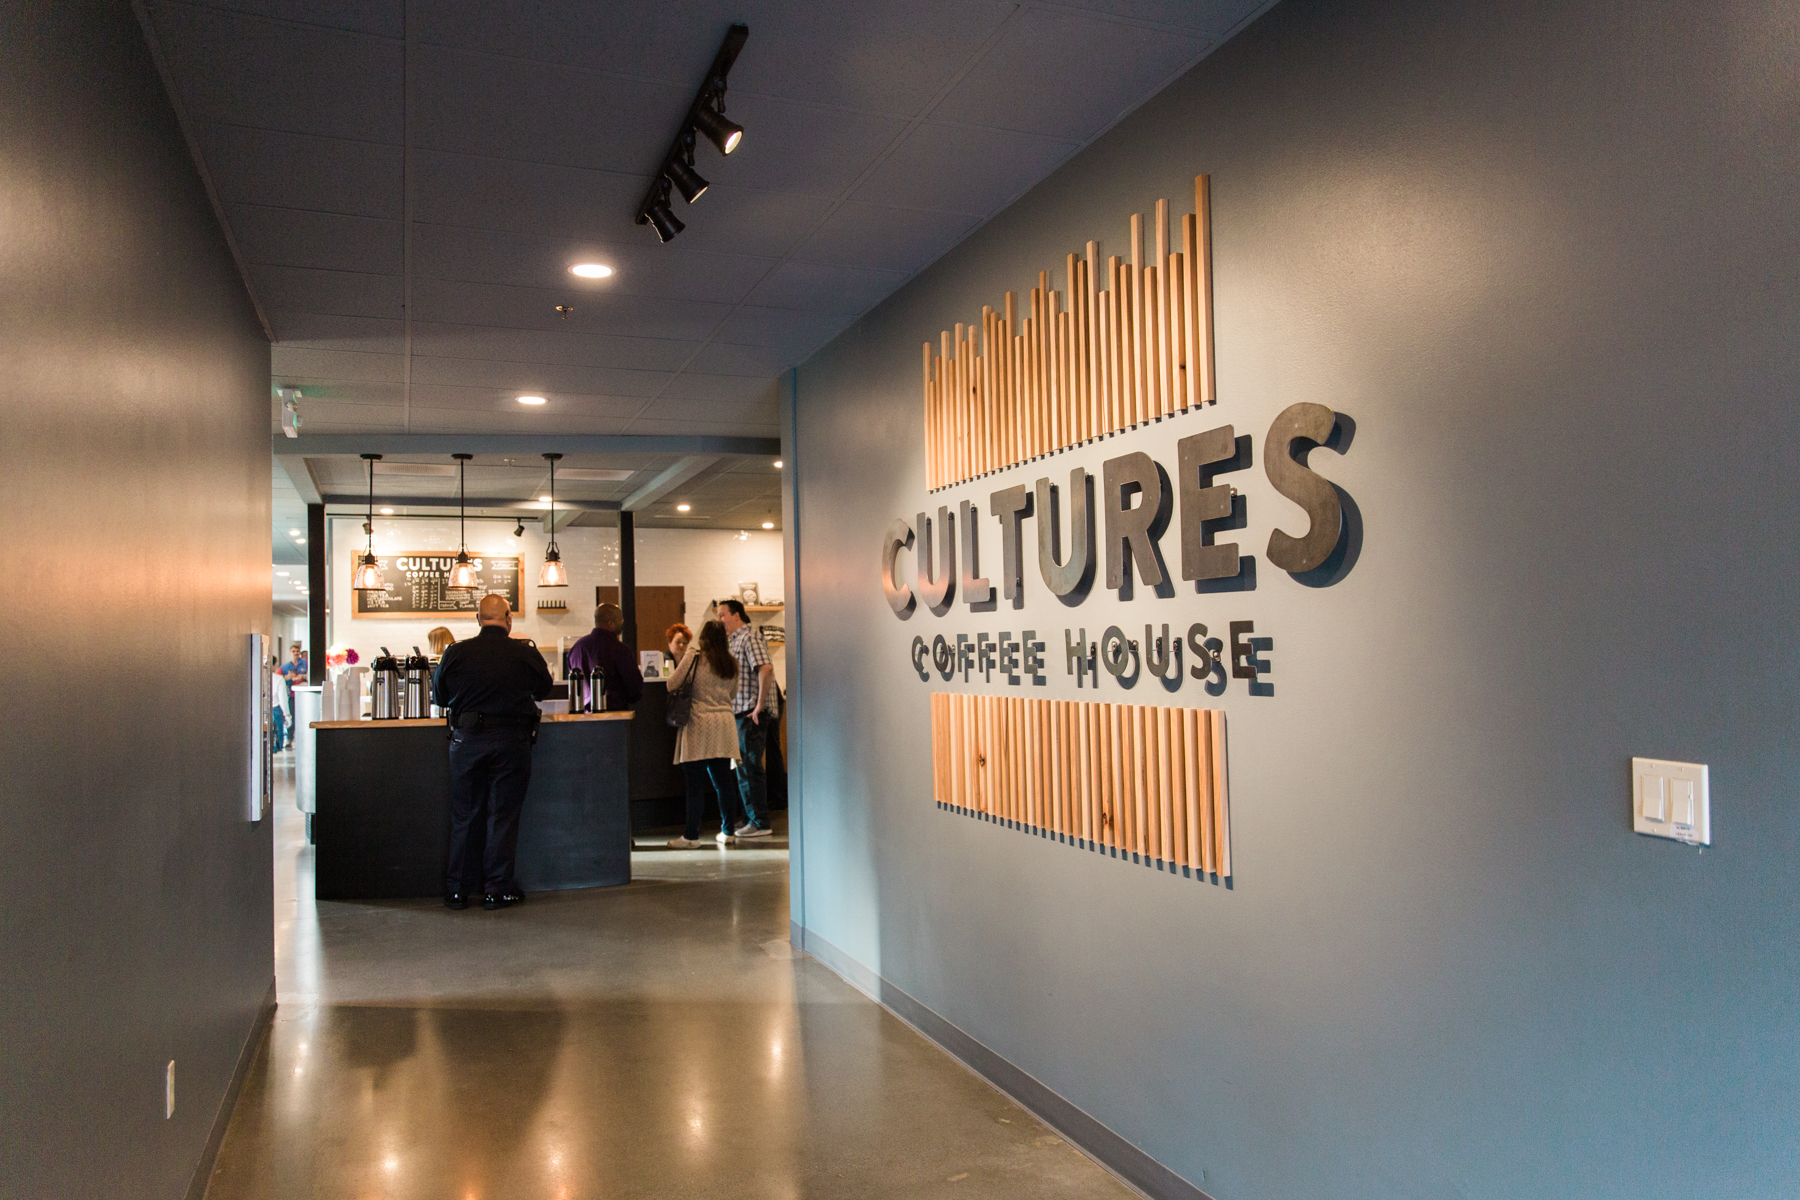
<point>417,585</point>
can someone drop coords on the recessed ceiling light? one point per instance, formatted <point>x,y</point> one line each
<point>778,464</point>
<point>387,512</point>
<point>768,524</point>
<point>300,541</point>
<point>531,400</point>
<point>543,499</point>
<point>283,574</point>
<point>591,270</point>
<point>293,533</point>
<point>683,507</point>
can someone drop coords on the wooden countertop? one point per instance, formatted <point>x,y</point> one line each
<point>439,721</point>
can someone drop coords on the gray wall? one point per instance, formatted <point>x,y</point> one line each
<point>1545,257</point>
<point>134,529</point>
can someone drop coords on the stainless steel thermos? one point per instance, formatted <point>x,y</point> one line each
<point>385,688</point>
<point>415,701</point>
<point>578,690</point>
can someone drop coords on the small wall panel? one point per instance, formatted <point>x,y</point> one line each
<point>1142,781</point>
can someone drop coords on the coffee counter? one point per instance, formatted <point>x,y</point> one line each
<point>382,826</point>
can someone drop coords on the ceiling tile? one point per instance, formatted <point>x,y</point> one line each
<point>893,239</point>
<point>480,192</point>
<point>790,331</point>
<point>792,147</point>
<point>960,169</point>
<point>341,392</point>
<point>748,221</point>
<point>322,332</point>
<point>292,171</point>
<point>534,308</point>
<point>329,415</point>
<point>540,112</point>
<point>821,287</point>
<point>555,382</point>
<point>572,346</point>
<point>667,43</point>
<point>327,241</point>
<point>440,395</point>
<point>735,388</point>
<point>751,362</point>
<point>282,76</point>
<point>1102,69</point>
<point>349,366</point>
<point>337,293</point>
<point>383,18</point>
<point>1214,17</point>
<point>664,272</point>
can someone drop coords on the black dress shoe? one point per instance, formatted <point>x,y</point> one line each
<point>455,900</point>
<point>505,899</point>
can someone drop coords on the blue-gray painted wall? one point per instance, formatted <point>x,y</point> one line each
<point>1545,256</point>
<point>136,906</point>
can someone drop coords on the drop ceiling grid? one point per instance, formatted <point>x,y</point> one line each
<point>885,133</point>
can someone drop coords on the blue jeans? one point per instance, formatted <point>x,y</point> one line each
<point>753,786</point>
<point>280,727</point>
<point>714,775</point>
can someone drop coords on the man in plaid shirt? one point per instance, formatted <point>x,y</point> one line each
<point>754,706</point>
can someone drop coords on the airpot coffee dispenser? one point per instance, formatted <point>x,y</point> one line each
<point>385,688</point>
<point>415,697</point>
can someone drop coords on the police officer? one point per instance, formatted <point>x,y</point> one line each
<point>488,684</point>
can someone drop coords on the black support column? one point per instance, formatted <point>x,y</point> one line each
<point>316,593</point>
<point>628,579</point>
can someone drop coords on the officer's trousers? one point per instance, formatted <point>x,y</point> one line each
<point>489,772</point>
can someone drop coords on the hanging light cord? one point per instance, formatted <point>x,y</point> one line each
<point>552,546</point>
<point>462,504</point>
<point>371,507</point>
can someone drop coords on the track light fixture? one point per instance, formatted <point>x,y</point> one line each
<point>706,115</point>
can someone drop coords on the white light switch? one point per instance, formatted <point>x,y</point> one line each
<point>1672,800</point>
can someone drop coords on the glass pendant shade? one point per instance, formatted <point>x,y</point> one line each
<point>367,576</point>
<point>462,575</point>
<point>553,573</point>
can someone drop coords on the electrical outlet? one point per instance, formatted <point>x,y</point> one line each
<point>169,1092</point>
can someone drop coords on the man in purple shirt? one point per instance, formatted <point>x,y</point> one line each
<point>602,654</point>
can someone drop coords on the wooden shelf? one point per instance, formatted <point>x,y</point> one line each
<point>763,607</point>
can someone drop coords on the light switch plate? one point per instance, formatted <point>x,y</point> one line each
<point>1671,800</point>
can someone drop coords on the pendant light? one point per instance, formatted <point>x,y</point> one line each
<point>553,574</point>
<point>367,576</point>
<point>462,575</point>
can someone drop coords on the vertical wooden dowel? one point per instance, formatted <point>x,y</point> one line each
<point>1178,323</point>
<point>1190,309</point>
<point>1020,709</point>
<point>1190,737</point>
<point>1204,733</point>
<point>1140,800</point>
<point>1203,286</point>
<point>1164,405</point>
<point>1221,794</point>
<point>1178,793</point>
<point>1168,761</point>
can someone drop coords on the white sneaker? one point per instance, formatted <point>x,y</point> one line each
<point>682,843</point>
<point>752,831</point>
<point>723,838</point>
<point>741,830</point>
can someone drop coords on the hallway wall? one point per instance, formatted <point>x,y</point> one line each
<point>1543,256</point>
<point>134,526</point>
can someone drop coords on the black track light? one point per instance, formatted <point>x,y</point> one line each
<point>666,223</point>
<point>719,131</point>
<point>687,181</point>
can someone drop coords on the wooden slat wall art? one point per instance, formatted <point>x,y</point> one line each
<point>1136,779</point>
<point>1084,362</point>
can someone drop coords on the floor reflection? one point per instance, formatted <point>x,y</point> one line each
<point>651,1040</point>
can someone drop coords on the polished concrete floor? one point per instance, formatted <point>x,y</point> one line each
<point>655,1040</point>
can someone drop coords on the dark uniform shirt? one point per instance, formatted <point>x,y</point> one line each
<point>602,651</point>
<point>491,673</point>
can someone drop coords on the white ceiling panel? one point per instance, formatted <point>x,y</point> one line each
<point>300,362</point>
<point>285,237</point>
<point>282,76</point>
<point>892,239</point>
<point>526,260</point>
<point>962,169</point>
<point>541,379</point>
<point>1100,67</point>
<point>562,346</point>
<point>298,171</point>
<point>324,332</point>
<point>822,287</point>
<point>333,293</point>
<point>879,133</point>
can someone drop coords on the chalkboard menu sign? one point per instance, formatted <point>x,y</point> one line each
<point>416,585</point>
